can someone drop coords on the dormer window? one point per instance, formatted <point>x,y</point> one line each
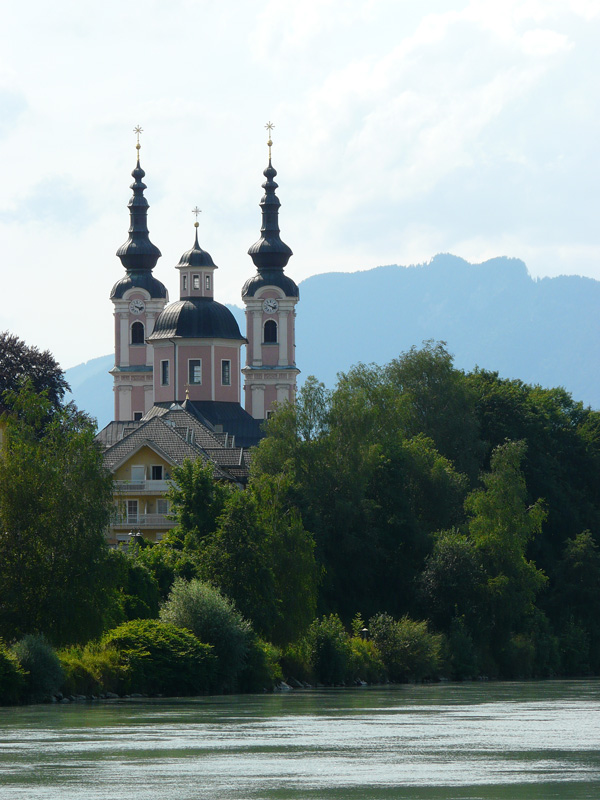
<point>195,281</point>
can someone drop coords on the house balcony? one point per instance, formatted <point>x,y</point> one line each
<point>141,487</point>
<point>141,521</point>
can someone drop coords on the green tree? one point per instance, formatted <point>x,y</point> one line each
<point>55,498</point>
<point>501,525</point>
<point>19,362</point>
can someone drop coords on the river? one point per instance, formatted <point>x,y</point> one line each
<point>478,741</point>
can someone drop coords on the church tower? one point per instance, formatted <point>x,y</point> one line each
<point>270,298</point>
<point>138,299</point>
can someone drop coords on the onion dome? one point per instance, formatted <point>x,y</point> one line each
<point>196,257</point>
<point>270,254</point>
<point>138,255</point>
<point>196,318</point>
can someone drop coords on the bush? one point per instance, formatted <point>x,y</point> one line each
<point>92,670</point>
<point>262,670</point>
<point>330,651</point>
<point>213,619</point>
<point>365,661</point>
<point>12,677</point>
<point>44,674</point>
<point>161,658</point>
<point>295,661</point>
<point>409,651</point>
<point>461,660</point>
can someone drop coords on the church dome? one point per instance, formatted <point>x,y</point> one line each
<point>196,318</point>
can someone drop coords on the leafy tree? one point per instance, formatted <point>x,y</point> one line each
<point>408,649</point>
<point>214,619</point>
<point>44,674</point>
<point>197,500</point>
<point>18,361</point>
<point>330,650</point>
<point>501,526</point>
<point>55,498</point>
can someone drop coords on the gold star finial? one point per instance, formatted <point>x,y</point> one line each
<point>196,211</point>
<point>269,126</point>
<point>137,130</point>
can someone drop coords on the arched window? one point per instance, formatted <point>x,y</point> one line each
<point>270,332</point>
<point>137,333</point>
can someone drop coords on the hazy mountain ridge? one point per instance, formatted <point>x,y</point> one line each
<point>493,315</point>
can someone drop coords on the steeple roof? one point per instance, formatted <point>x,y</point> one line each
<point>196,257</point>
<point>270,254</point>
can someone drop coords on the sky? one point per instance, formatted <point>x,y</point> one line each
<point>402,130</point>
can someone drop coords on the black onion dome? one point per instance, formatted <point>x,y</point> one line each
<point>269,252</point>
<point>138,253</point>
<point>196,318</point>
<point>196,257</point>
<point>139,280</point>
<point>266,277</point>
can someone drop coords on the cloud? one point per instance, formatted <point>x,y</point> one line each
<point>12,106</point>
<point>56,201</point>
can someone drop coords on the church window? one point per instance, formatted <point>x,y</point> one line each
<point>164,373</point>
<point>208,283</point>
<point>270,332</point>
<point>184,282</point>
<point>195,371</point>
<point>137,333</point>
<point>195,281</point>
<point>137,415</point>
<point>226,372</point>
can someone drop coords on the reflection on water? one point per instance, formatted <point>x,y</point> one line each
<point>523,741</point>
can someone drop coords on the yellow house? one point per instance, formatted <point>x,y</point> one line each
<point>141,456</point>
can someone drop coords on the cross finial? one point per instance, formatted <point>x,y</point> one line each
<point>196,211</point>
<point>269,126</point>
<point>137,130</point>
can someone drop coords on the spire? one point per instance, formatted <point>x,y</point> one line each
<point>196,257</point>
<point>269,252</point>
<point>138,254</point>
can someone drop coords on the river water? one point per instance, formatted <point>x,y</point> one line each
<point>482,741</point>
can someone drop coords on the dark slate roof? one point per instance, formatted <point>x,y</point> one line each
<point>196,318</point>
<point>196,257</point>
<point>231,416</point>
<point>138,253</point>
<point>270,277</point>
<point>139,280</point>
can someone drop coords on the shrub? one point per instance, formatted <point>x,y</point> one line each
<point>330,652</point>
<point>44,672</point>
<point>161,658</point>
<point>365,661</point>
<point>295,661</point>
<point>262,670</point>
<point>461,653</point>
<point>12,677</point>
<point>92,670</point>
<point>213,619</point>
<point>409,651</point>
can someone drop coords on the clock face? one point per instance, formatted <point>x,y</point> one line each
<point>137,306</point>
<point>270,305</point>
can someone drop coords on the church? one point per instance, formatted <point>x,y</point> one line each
<point>178,371</point>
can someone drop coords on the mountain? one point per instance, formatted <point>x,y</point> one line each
<point>493,315</point>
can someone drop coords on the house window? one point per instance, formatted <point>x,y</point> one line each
<point>184,282</point>
<point>162,505</point>
<point>195,281</point>
<point>195,371</point>
<point>164,373</point>
<point>270,332</point>
<point>157,472</point>
<point>208,283</point>
<point>226,372</point>
<point>270,414</point>
<point>137,333</point>
<point>132,511</point>
<point>137,415</point>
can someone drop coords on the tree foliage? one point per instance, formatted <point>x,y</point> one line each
<point>54,505</point>
<point>19,362</point>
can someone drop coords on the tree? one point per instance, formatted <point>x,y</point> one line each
<point>501,526</point>
<point>19,361</point>
<point>55,497</point>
